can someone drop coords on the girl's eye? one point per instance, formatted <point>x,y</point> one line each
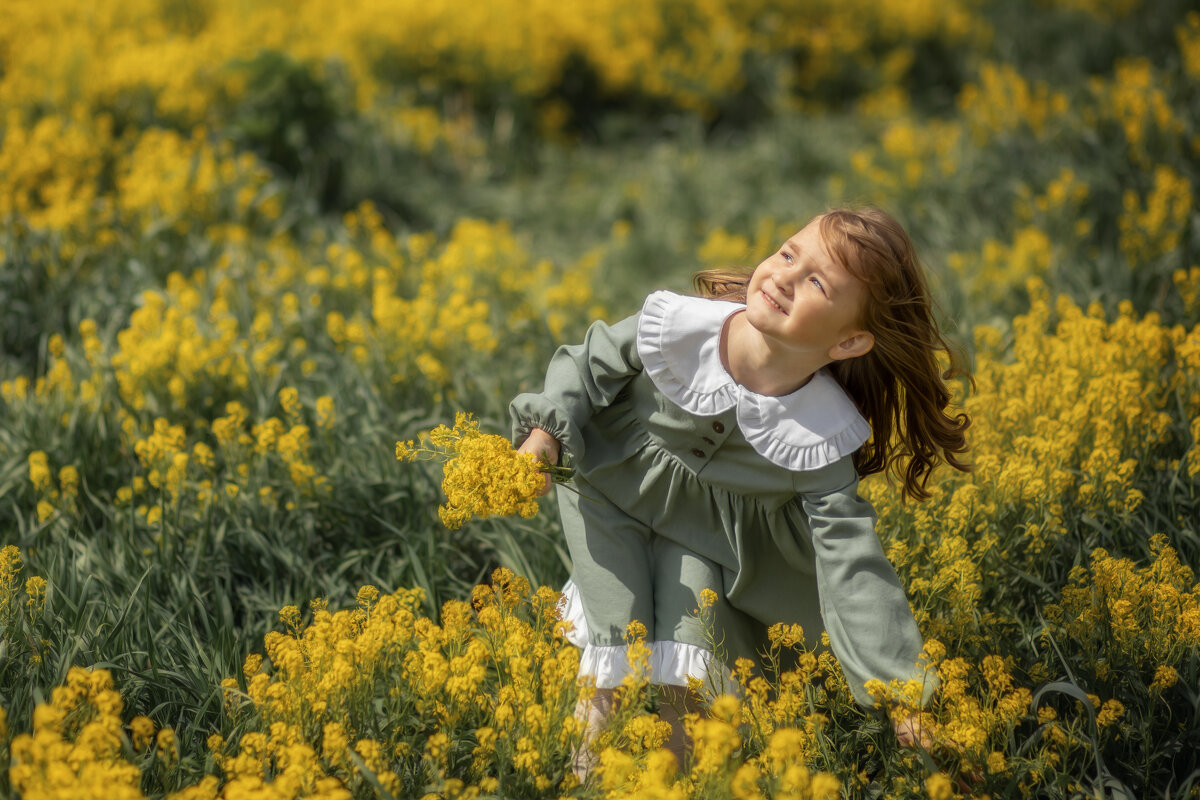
<point>787,256</point>
<point>817,283</point>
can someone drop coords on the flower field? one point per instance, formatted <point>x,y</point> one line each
<point>246,249</point>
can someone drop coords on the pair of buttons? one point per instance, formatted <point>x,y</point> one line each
<point>718,428</point>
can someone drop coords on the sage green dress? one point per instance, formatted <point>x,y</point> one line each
<point>686,481</point>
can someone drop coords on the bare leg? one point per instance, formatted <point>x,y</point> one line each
<point>593,714</point>
<point>675,702</point>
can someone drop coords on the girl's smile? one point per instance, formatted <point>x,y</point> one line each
<point>772,302</point>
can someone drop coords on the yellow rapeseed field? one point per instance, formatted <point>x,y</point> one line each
<point>254,259</point>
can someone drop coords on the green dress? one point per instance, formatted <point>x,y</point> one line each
<point>686,481</point>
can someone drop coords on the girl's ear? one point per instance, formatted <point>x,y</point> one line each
<point>857,344</point>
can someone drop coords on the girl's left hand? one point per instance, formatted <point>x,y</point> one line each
<point>910,733</point>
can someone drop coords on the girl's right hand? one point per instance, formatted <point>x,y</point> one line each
<point>543,446</point>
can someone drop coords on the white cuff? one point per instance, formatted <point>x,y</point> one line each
<point>570,610</point>
<point>671,664</point>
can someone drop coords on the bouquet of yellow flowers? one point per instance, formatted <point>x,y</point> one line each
<point>482,474</point>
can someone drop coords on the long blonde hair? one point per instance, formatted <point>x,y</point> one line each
<point>897,386</point>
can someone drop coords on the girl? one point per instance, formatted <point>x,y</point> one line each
<point>718,442</point>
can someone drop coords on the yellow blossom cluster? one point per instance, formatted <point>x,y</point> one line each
<point>1004,268</point>
<point>10,569</point>
<point>177,346</point>
<point>176,182</point>
<point>378,695</point>
<point>70,175</point>
<point>483,475</point>
<point>1058,431</point>
<point>1154,227</point>
<point>1003,100</point>
<point>76,748</point>
<point>1187,282</point>
<point>20,622</point>
<point>250,317</point>
<point>1125,617</point>
<point>184,474</point>
<point>910,154</point>
<point>723,249</point>
<point>1094,392</point>
<point>50,169</point>
<point>976,706</point>
<point>181,62</point>
<point>1058,211</point>
<point>54,495</point>
<point>1136,101</point>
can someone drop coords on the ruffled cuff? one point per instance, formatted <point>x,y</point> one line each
<point>530,410</point>
<point>671,664</point>
<point>570,610</point>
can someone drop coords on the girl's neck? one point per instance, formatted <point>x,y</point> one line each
<point>754,363</point>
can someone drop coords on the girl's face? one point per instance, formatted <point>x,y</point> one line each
<point>802,299</point>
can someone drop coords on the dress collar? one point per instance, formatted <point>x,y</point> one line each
<point>679,340</point>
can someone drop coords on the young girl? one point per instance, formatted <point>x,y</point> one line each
<point>718,443</point>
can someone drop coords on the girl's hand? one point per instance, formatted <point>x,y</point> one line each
<point>543,446</point>
<point>910,733</point>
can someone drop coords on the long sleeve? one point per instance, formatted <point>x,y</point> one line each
<point>580,380</point>
<point>866,613</point>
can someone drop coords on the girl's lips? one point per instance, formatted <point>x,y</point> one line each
<point>772,303</point>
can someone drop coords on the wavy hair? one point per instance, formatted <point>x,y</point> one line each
<point>898,385</point>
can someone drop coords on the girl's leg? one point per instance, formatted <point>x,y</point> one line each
<point>685,647</point>
<point>674,703</point>
<point>593,715</point>
<point>611,568</point>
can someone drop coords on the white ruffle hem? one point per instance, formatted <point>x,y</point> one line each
<point>671,663</point>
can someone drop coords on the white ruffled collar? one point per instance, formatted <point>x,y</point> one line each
<point>679,339</point>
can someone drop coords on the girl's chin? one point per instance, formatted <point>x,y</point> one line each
<point>759,317</point>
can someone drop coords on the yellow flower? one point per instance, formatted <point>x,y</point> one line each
<point>326,414</point>
<point>939,787</point>
<point>35,589</point>
<point>39,470</point>
<point>165,746</point>
<point>1110,713</point>
<point>1164,678</point>
<point>142,730</point>
<point>289,399</point>
<point>482,474</point>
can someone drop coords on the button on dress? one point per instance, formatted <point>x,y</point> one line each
<point>686,480</point>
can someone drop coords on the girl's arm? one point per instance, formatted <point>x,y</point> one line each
<point>580,380</point>
<point>865,610</point>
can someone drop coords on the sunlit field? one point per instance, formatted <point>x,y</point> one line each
<point>248,247</point>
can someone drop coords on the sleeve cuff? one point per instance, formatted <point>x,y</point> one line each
<point>529,411</point>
